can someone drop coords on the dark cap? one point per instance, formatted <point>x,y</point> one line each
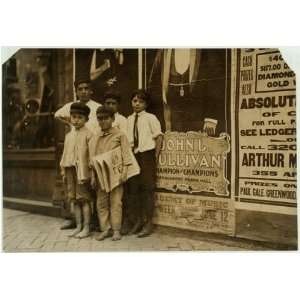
<point>80,108</point>
<point>81,80</point>
<point>112,94</point>
<point>105,110</point>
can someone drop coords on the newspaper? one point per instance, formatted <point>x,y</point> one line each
<point>109,168</point>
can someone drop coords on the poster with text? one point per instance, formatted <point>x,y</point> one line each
<point>193,162</point>
<point>266,128</point>
<point>194,212</point>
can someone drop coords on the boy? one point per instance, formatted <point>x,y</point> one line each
<point>75,168</point>
<point>145,138</point>
<point>109,205</point>
<point>83,93</point>
<point>112,100</point>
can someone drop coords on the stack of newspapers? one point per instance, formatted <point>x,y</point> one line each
<point>109,168</point>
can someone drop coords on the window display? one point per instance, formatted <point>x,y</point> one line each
<point>28,101</point>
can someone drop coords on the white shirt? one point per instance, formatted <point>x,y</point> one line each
<point>148,128</point>
<point>91,124</point>
<point>120,122</point>
<point>76,152</point>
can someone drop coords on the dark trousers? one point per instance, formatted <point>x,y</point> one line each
<point>141,188</point>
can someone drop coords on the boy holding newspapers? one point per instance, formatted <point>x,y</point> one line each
<point>112,164</point>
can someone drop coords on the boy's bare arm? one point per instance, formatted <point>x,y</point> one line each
<point>125,149</point>
<point>63,174</point>
<point>65,120</point>
<point>158,145</point>
<point>93,179</point>
<point>63,114</point>
<point>124,174</point>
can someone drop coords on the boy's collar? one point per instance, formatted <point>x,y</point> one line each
<point>140,113</point>
<point>110,131</point>
<point>81,128</point>
<point>77,100</point>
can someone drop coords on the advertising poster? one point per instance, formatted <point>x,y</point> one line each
<point>266,128</point>
<point>190,90</point>
<point>193,162</point>
<point>192,212</point>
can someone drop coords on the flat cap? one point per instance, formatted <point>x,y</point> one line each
<point>80,108</point>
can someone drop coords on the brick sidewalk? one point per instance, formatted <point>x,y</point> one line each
<point>26,232</point>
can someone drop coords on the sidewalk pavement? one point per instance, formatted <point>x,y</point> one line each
<point>26,232</point>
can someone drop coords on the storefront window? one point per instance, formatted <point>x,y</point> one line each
<point>189,88</point>
<point>109,69</point>
<point>28,100</point>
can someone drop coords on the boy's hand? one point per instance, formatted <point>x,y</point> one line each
<point>158,146</point>
<point>124,174</point>
<point>64,178</point>
<point>93,182</point>
<point>82,181</point>
<point>157,156</point>
<point>66,120</point>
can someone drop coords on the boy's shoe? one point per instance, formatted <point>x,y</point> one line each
<point>146,231</point>
<point>137,227</point>
<point>125,228</point>
<point>68,224</point>
<point>103,235</point>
